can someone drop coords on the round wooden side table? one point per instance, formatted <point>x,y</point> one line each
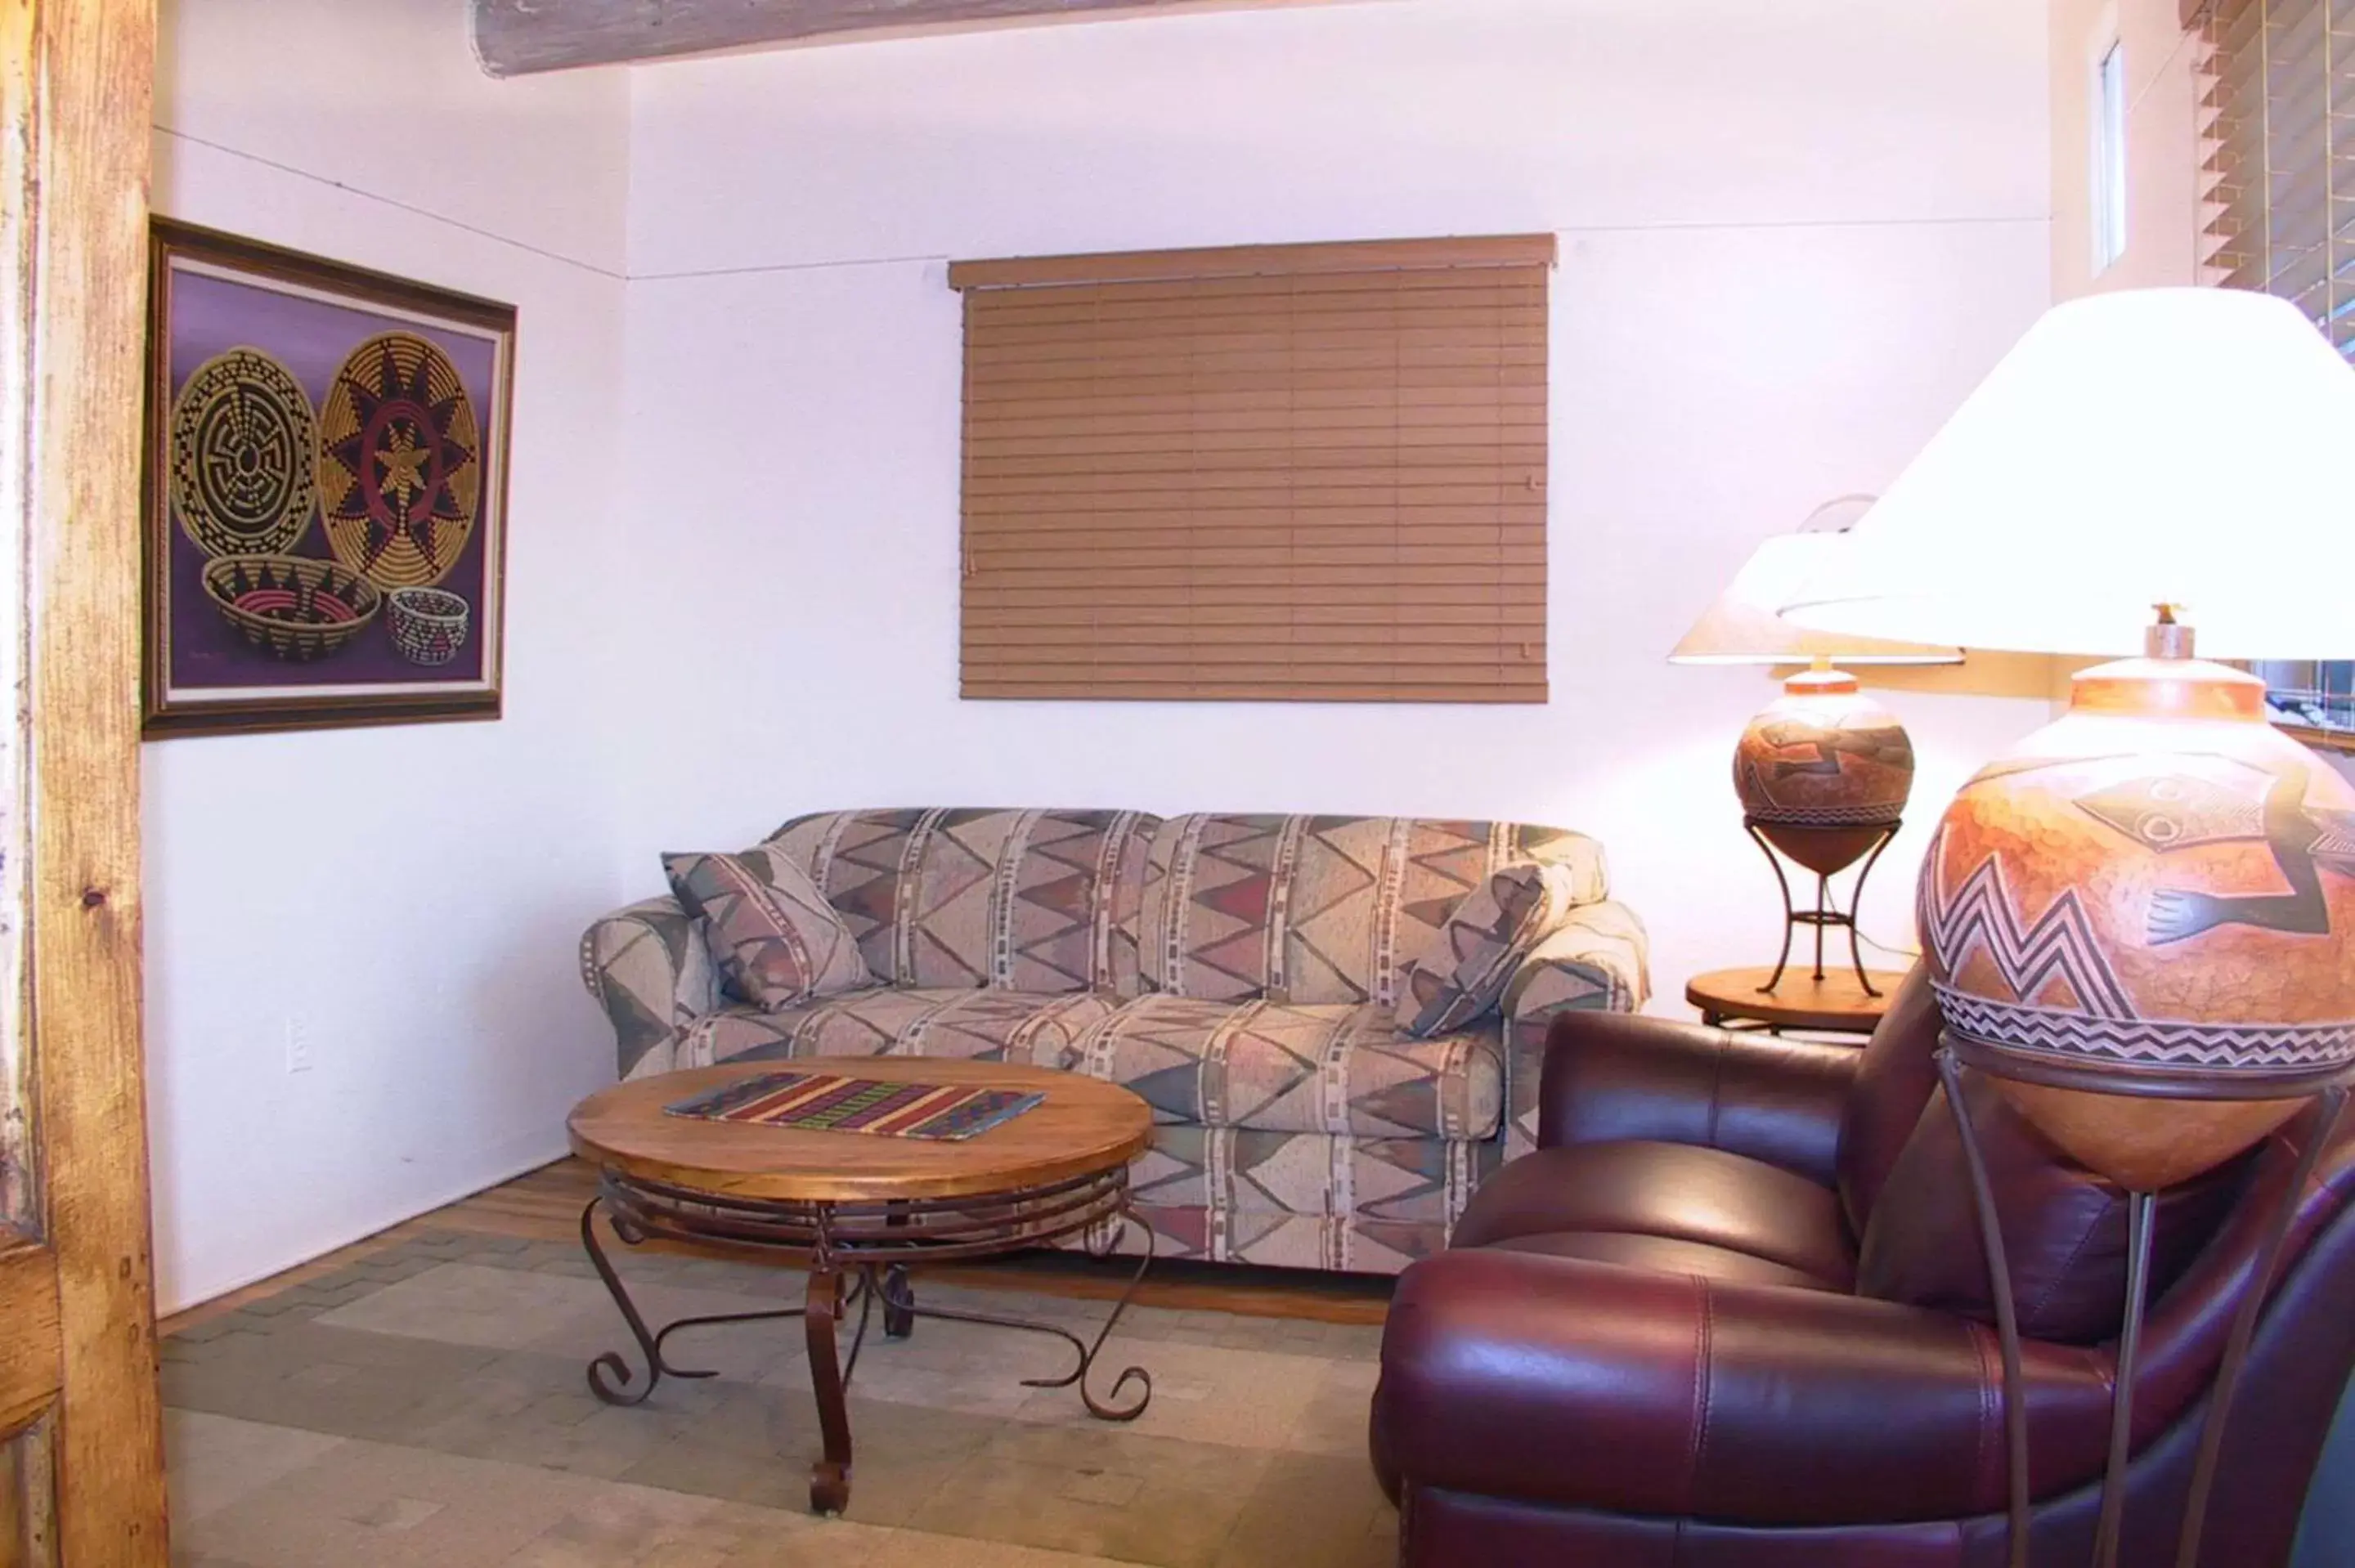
<point>1836,1005</point>
<point>857,1209</point>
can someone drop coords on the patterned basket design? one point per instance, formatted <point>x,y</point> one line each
<point>428,625</point>
<point>289,606</point>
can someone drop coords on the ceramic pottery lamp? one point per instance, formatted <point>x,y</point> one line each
<point>2140,921</point>
<point>1824,772</point>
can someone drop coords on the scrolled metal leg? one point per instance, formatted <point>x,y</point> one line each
<point>1106,1408</point>
<point>830,1475</point>
<point>896,1297</point>
<point>610,1364</point>
<point>609,1374</point>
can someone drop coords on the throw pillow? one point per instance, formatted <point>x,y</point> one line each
<point>774,935</point>
<point>1477,948</point>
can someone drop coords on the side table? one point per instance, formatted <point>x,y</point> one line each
<point>1836,1005</point>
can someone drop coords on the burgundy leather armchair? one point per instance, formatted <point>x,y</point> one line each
<point>1733,1311</point>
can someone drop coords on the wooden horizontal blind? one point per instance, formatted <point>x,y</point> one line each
<point>1287,472</point>
<point>2278,144</point>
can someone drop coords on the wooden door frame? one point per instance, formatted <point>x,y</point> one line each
<point>79,79</point>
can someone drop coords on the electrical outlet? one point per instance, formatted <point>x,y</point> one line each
<point>298,1046</point>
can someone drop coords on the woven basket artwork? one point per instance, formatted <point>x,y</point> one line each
<point>290,606</point>
<point>428,624</point>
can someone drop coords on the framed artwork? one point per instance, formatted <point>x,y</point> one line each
<point>325,492</point>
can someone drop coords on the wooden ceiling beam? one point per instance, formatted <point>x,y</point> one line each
<point>517,38</point>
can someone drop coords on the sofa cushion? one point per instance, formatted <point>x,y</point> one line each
<point>1321,909</point>
<point>1286,1067</point>
<point>1461,973</point>
<point>981,1025</point>
<point>1677,1192</point>
<point>1012,900</point>
<point>775,937</point>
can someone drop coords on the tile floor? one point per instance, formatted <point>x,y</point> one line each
<point>426,1405</point>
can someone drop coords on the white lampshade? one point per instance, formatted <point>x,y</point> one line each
<point>2181,445</point>
<point>1742,628</point>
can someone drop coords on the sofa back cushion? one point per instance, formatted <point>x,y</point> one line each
<point>1318,910</point>
<point>1007,900</point>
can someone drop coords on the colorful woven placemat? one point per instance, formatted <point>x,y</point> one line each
<point>834,1102</point>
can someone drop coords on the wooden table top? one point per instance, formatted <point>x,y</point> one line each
<point>1083,1127</point>
<point>1836,1003</point>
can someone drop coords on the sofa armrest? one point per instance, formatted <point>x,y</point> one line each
<point>1598,961</point>
<point>1571,1383</point>
<point>648,967</point>
<point>1610,1077</point>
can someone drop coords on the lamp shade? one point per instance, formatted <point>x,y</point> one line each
<point>2177,446</point>
<point>1743,628</point>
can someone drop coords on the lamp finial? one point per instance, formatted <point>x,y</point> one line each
<point>2167,638</point>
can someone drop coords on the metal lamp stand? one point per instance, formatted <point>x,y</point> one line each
<point>1827,911</point>
<point>1954,1053</point>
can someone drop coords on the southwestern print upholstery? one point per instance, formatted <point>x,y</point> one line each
<point>1319,909</point>
<point>776,940</point>
<point>650,969</point>
<point>1277,1066</point>
<point>1040,901</point>
<point>1028,1029</point>
<point>1243,974</point>
<point>1499,923</point>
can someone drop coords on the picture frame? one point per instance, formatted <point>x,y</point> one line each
<point>324,479</point>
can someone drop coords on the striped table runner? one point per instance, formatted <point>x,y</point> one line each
<point>831,1102</point>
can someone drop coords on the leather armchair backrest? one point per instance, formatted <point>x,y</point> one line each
<point>1893,1082</point>
<point>2065,1228</point>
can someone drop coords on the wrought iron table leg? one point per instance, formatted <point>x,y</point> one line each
<point>830,1475</point>
<point>610,1364</point>
<point>899,1303</point>
<point>896,1296</point>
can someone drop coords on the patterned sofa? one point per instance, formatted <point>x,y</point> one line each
<point>1236,971</point>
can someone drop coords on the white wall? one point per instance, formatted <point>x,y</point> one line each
<point>2162,156</point>
<point>1793,237</point>
<point>411,894</point>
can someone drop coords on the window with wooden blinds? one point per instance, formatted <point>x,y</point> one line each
<point>1310,473</point>
<point>2277,144</point>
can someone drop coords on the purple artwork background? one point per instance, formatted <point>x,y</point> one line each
<point>311,337</point>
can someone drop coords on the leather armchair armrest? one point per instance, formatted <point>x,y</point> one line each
<point>1613,1077</point>
<point>1598,959</point>
<point>1577,1383</point>
<point>647,965</point>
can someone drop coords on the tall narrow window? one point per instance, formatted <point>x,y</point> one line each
<point>1290,474</point>
<point>2109,182</point>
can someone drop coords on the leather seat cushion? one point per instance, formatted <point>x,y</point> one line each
<point>1661,1254</point>
<point>1672,1191</point>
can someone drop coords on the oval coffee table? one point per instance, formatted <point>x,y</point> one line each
<point>857,1209</point>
